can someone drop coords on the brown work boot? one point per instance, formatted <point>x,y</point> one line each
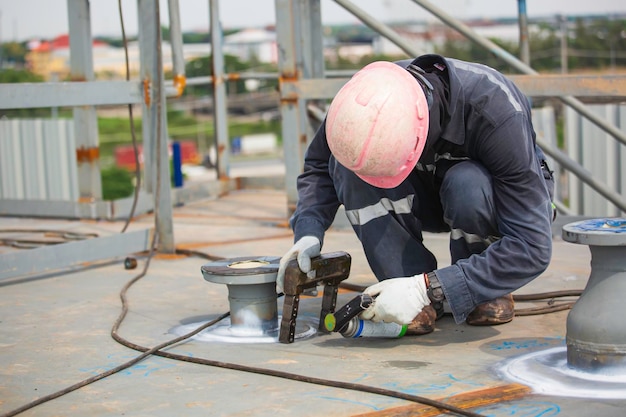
<point>498,311</point>
<point>423,323</point>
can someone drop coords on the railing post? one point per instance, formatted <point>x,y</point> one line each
<point>85,118</point>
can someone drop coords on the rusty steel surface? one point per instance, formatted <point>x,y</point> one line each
<point>87,155</point>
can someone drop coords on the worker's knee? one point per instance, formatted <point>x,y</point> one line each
<point>467,195</point>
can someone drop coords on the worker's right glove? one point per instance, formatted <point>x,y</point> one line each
<point>304,249</point>
<point>397,300</point>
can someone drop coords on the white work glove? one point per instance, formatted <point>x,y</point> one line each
<point>397,300</point>
<point>304,249</point>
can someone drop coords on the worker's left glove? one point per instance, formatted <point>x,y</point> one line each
<point>303,250</point>
<point>397,300</point>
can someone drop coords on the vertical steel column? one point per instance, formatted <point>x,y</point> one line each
<point>523,32</point>
<point>155,121</point>
<point>310,25</point>
<point>315,44</point>
<point>147,71</point>
<point>176,40</point>
<point>298,38</point>
<point>564,36</point>
<point>220,118</point>
<point>85,118</point>
<point>313,51</point>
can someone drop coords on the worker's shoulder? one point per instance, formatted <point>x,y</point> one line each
<point>475,79</point>
<point>477,70</point>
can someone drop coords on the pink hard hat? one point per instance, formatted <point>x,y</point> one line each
<point>377,124</point>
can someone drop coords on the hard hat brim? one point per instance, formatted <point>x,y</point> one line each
<point>389,182</point>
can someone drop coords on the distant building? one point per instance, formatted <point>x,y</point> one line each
<point>249,44</point>
<point>426,37</point>
<point>508,32</point>
<point>422,37</point>
<point>51,59</point>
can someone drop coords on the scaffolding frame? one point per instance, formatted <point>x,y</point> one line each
<point>303,85</point>
<point>150,93</point>
<point>566,88</point>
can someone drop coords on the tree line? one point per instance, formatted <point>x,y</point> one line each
<point>592,44</point>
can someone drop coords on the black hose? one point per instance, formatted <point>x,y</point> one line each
<point>278,374</point>
<point>226,365</point>
<point>546,295</point>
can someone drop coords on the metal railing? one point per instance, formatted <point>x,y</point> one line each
<point>303,83</point>
<point>296,91</point>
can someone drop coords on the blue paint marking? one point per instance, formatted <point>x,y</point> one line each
<point>417,389</point>
<point>527,344</point>
<point>364,404</point>
<point>143,368</point>
<point>381,404</point>
<point>375,405</point>
<point>521,409</point>
<point>472,383</point>
<point>602,225</point>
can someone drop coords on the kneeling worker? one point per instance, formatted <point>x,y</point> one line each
<point>438,145</point>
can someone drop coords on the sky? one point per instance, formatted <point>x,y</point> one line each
<point>22,20</point>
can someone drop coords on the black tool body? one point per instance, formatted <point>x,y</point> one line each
<point>335,322</point>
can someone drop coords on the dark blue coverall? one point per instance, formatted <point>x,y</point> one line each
<point>481,177</point>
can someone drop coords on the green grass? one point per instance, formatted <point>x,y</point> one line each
<point>115,131</point>
<point>116,183</point>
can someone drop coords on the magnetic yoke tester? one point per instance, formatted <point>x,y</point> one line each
<point>330,269</point>
<point>348,324</point>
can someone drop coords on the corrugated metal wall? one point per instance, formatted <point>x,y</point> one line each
<point>38,160</point>
<point>599,153</point>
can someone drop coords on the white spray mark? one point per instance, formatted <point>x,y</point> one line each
<point>224,332</point>
<point>547,372</point>
<point>250,324</point>
<point>570,278</point>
